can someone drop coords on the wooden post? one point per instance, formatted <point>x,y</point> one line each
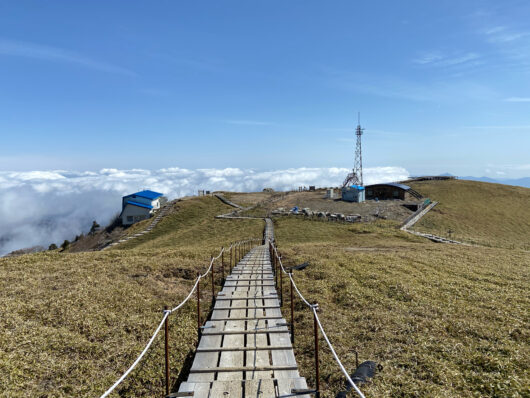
<point>198,309</point>
<point>231,247</point>
<point>292,307</point>
<point>317,362</point>
<point>166,346</point>
<point>213,285</point>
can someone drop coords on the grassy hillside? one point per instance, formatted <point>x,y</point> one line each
<point>478,212</point>
<point>71,323</point>
<point>444,320</point>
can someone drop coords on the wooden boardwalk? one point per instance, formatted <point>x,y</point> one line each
<point>245,349</point>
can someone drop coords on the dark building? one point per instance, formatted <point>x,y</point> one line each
<point>391,191</point>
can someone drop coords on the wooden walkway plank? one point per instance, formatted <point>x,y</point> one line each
<point>245,349</point>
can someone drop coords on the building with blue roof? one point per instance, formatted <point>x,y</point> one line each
<point>141,205</point>
<point>353,193</point>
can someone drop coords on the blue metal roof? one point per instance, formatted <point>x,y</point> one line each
<point>130,202</point>
<point>393,184</point>
<point>146,194</point>
<point>357,187</point>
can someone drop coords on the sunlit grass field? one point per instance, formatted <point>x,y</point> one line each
<point>443,320</point>
<point>477,212</point>
<point>72,323</point>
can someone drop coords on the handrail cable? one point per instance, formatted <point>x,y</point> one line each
<point>314,308</point>
<point>169,312</point>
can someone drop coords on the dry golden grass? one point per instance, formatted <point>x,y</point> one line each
<point>478,212</point>
<point>72,323</point>
<point>444,320</point>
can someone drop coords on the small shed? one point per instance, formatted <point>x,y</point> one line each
<point>353,193</point>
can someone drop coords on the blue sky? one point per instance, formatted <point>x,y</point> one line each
<point>441,86</point>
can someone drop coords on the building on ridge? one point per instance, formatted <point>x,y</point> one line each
<point>140,206</point>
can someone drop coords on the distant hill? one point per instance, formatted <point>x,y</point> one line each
<point>518,182</point>
<point>477,212</point>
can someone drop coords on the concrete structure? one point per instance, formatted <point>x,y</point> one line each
<point>140,206</point>
<point>353,193</point>
<point>391,191</point>
<point>330,193</point>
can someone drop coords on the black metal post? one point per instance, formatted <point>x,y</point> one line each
<point>213,285</point>
<point>317,362</point>
<point>166,346</point>
<point>198,309</point>
<point>292,307</point>
<point>223,263</point>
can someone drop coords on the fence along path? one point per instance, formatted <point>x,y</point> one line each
<point>245,349</point>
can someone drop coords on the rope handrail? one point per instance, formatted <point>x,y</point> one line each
<point>344,371</point>
<point>169,312</point>
<point>314,308</point>
<point>106,393</point>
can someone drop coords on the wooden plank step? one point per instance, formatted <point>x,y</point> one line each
<point>247,298</point>
<point>251,348</point>
<point>243,368</point>
<point>246,318</point>
<point>229,332</point>
<point>247,280</point>
<point>261,307</point>
<point>254,285</point>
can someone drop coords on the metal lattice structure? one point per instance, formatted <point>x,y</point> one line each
<point>356,176</point>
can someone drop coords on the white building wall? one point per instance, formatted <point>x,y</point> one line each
<point>132,214</point>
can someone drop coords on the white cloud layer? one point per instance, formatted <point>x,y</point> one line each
<point>43,207</point>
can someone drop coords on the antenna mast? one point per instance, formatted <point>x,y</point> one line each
<point>356,176</point>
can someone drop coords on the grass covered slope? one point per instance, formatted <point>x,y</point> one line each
<point>72,323</point>
<point>443,320</point>
<point>477,212</point>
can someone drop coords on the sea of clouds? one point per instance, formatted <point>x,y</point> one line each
<point>44,207</point>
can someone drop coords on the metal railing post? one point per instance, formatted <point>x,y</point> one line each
<point>222,264</point>
<point>292,307</point>
<point>213,285</point>
<point>198,308</point>
<point>166,348</point>
<point>317,362</point>
<point>281,282</point>
<point>276,268</point>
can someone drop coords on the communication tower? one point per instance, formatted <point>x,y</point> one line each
<point>356,176</point>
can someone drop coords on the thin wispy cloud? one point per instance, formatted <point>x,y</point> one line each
<point>500,127</point>
<point>517,99</point>
<point>248,122</point>
<point>503,34</point>
<point>15,48</point>
<point>409,89</point>
<point>439,59</point>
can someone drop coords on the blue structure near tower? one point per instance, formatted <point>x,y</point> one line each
<point>353,193</point>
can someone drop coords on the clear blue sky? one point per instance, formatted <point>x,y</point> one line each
<point>441,85</point>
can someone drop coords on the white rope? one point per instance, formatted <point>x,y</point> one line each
<point>166,314</point>
<point>336,356</point>
<point>189,295</point>
<point>314,308</point>
<point>299,293</point>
